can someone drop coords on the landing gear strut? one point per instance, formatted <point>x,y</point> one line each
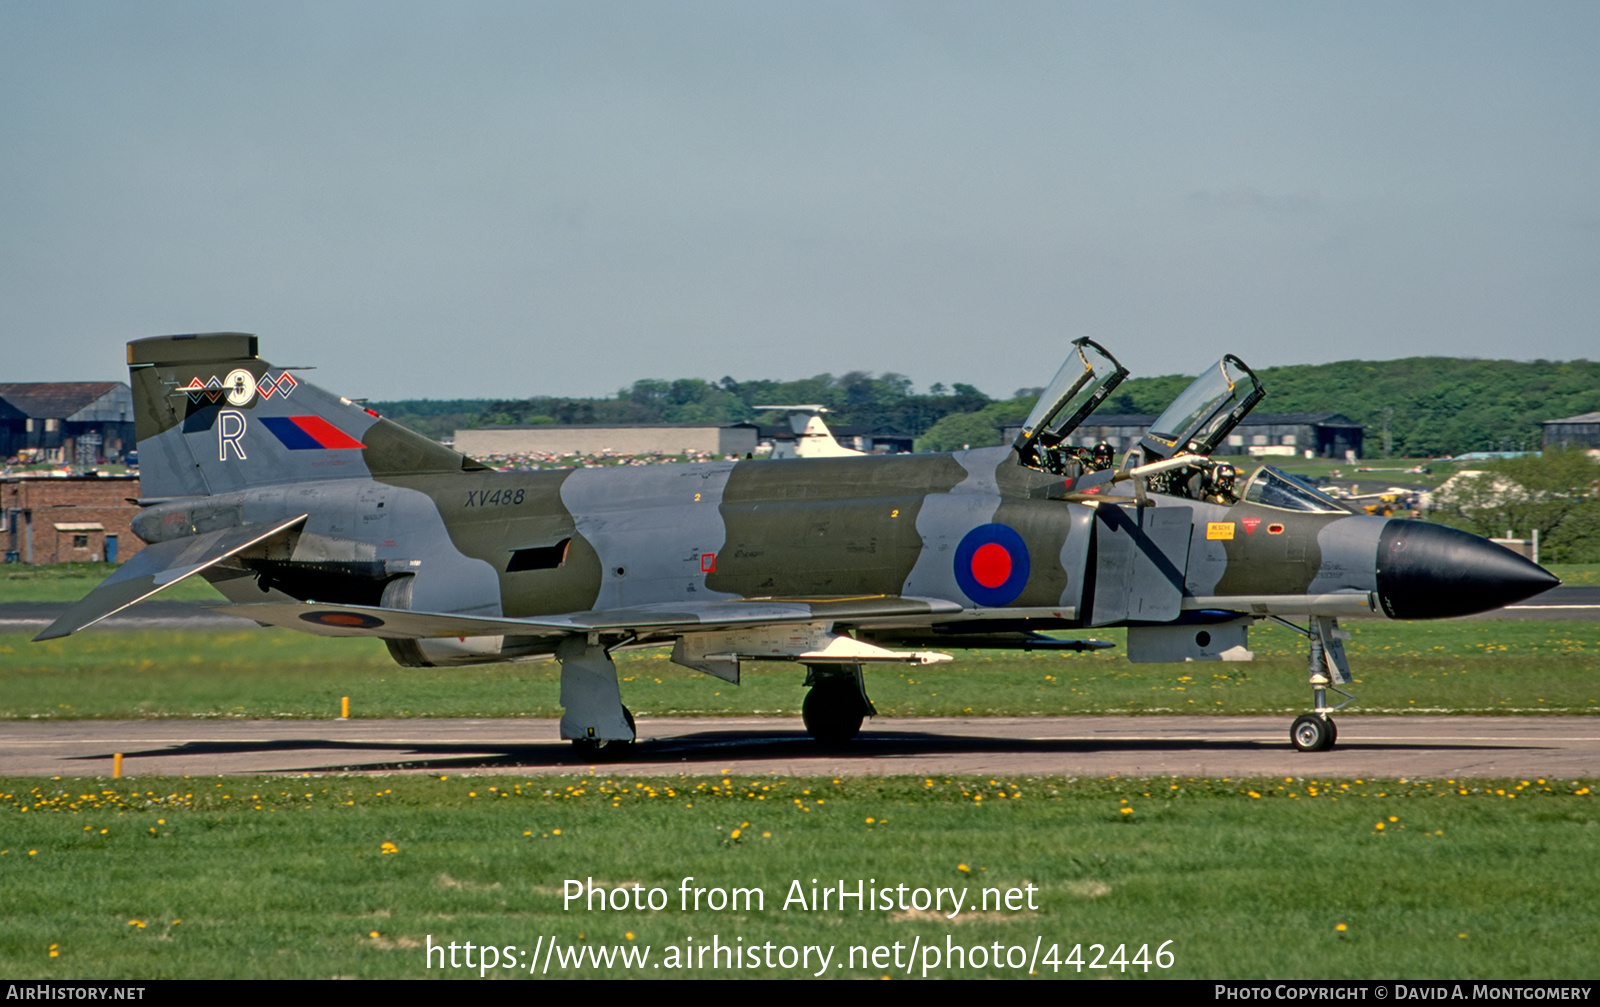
<point>837,703</point>
<point>593,716</point>
<point>1328,669</point>
<point>611,748</point>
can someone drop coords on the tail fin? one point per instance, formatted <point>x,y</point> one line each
<point>211,417</point>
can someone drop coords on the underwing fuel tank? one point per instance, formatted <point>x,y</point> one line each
<point>1429,571</point>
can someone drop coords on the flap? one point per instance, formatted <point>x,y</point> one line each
<point>157,567</point>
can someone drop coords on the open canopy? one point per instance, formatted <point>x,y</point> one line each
<point>1199,419</point>
<point>1082,383</point>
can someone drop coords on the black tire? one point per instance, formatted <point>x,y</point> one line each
<point>1311,733</point>
<point>833,710</point>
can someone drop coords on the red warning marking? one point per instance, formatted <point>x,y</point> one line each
<point>1250,524</point>
<point>708,562</point>
<point>991,565</point>
<point>1274,529</point>
<point>341,619</point>
<point>325,433</point>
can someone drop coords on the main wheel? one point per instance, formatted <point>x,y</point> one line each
<point>612,749</point>
<point>833,710</point>
<point>1312,733</point>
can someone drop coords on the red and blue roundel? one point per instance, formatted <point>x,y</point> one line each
<point>992,565</point>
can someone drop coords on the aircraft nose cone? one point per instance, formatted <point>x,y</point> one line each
<point>1428,571</point>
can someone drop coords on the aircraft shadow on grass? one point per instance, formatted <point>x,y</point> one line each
<point>722,747</point>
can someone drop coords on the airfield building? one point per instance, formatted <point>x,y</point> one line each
<point>710,440</point>
<point>69,422</point>
<point>1326,435</point>
<point>69,519</point>
<point>1582,431</point>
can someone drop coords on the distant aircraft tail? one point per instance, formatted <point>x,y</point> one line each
<point>211,417</point>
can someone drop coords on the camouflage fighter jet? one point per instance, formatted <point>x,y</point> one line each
<point>309,511</point>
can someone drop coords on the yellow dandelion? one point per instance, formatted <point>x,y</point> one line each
<point>1127,811</point>
<point>963,868</point>
<point>373,933</point>
<point>388,848</point>
<point>54,952</point>
<point>1340,927</point>
<point>136,923</point>
<point>734,834</point>
<point>629,935</point>
<point>1394,818</point>
<point>555,832</point>
<point>870,819</point>
<point>1379,826</point>
<point>1462,936</point>
<point>766,835</point>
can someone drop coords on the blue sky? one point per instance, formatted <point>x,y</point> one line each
<point>483,199</point>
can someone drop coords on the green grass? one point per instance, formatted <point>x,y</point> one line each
<point>71,581</point>
<point>288,878</point>
<point>1576,573</point>
<point>1438,667</point>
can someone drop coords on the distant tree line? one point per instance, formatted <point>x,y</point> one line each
<point>1429,406</point>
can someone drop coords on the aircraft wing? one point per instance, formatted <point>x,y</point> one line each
<point>666,619</point>
<point>157,567</point>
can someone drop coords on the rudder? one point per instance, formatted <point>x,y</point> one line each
<point>212,417</point>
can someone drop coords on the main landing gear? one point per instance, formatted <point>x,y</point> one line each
<point>1328,669</point>
<point>837,703</point>
<point>593,716</point>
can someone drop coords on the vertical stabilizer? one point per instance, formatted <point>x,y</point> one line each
<point>212,417</point>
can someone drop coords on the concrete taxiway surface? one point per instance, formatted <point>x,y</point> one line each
<point>1369,746</point>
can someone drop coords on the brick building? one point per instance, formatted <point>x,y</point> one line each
<point>69,520</point>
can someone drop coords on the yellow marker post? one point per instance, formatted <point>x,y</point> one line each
<point>116,766</point>
<point>344,708</point>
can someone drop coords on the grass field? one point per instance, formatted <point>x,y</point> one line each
<point>308,877</point>
<point>71,581</point>
<point>299,877</point>
<point>1437,667</point>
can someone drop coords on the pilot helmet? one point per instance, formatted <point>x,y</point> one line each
<point>1103,455</point>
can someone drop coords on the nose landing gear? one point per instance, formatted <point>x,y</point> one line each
<point>1329,669</point>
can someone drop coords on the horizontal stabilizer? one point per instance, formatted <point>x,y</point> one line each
<point>402,624</point>
<point>157,567</point>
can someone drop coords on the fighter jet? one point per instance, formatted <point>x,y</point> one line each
<point>312,512</point>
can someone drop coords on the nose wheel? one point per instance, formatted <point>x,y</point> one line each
<point>1313,732</point>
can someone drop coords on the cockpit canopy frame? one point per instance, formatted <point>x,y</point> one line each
<point>1205,413</point>
<point>1089,374</point>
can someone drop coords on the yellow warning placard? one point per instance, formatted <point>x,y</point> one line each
<point>1219,530</point>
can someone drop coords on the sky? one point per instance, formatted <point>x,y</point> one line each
<point>501,200</point>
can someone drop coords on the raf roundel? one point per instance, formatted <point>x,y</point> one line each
<point>992,565</point>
